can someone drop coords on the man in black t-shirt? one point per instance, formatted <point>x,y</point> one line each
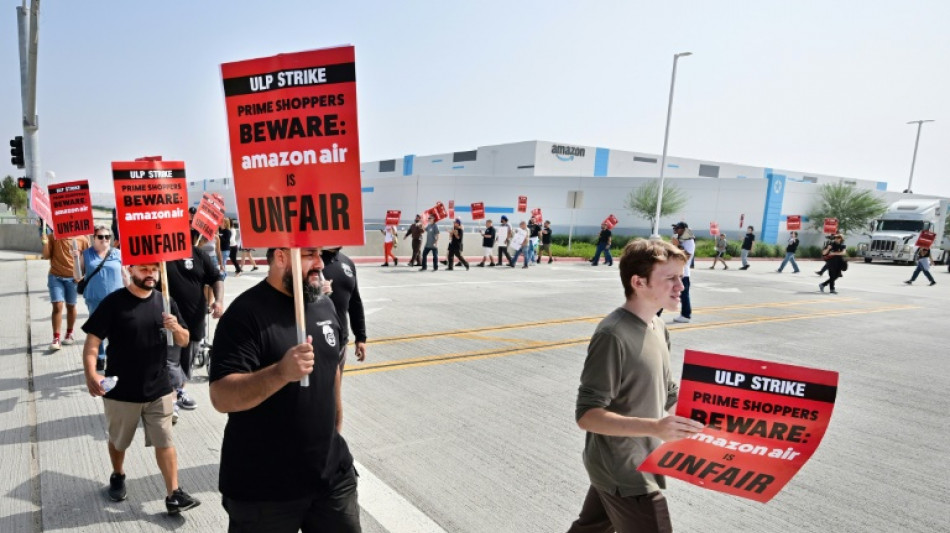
<point>488,244</point>
<point>187,279</point>
<point>546,241</point>
<point>284,464</point>
<point>341,272</point>
<point>603,246</point>
<point>135,324</point>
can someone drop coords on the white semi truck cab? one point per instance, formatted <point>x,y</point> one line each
<point>895,234</point>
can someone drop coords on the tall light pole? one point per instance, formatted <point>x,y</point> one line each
<point>666,138</point>
<point>910,181</point>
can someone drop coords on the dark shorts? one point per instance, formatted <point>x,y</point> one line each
<point>338,511</point>
<point>647,513</point>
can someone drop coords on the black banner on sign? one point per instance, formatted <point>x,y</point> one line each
<point>284,79</point>
<point>760,383</point>
<point>55,189</point>
<point>147,174</point>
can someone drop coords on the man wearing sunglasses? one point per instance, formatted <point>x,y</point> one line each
<point>284,464</point>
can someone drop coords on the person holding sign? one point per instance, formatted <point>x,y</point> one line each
<point>488,245</point>
<point>835,253</point>
<point>104,274</point>
<point>389,242</point>
<point>432,242</point>
<point>603,246</point>
<point>923,265</point>
<point>626,391</point>
<point>721,246</point>
<point>62,284</point>
<point>284,464</point>
<point>132,320</point>
<point>546,241</point>
<point>790,253</point>
<point>416,230</point>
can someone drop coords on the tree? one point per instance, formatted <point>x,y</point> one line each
<point>642,201</point>
<point>11,195</point>
<point>853,208</point>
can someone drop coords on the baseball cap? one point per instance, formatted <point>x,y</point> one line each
<point>680,225</point>
<point>504,218</point>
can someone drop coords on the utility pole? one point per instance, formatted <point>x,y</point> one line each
<point>28,28</point>
<point>913,162</point>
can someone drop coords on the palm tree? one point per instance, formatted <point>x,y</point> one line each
<point>642,201</point>
<point>853,208</point>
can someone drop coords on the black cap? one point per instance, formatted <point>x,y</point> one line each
<point>680,225</point>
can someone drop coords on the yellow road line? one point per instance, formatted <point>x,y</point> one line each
<point>491,353</point>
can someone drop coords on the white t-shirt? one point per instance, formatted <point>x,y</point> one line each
<point>388,234</point>
<point>689,246</point>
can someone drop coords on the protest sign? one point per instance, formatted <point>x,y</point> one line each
<point>152,210</point>
<point>714,228</point>
<point>611,221</point>
<point>392,217</point>
<point>763,420</point>
<point>438,210</point>
<point>209,215</point>
<point>831,226</point>
<point>793,222</point>
<point>926,239</point>
<point>295,148</point>
<point>71,209</point>
<point>39,202</point>
<point>522,204</point>
<point>452,209</point>
<point>478,210</point>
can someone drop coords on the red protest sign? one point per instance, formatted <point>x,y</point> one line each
<point>926,239</point>
<point>39,202</point>
<point>763,420</point>
<point>295,148</point>
<point>522,204</point>
<point>611,221</point>
<point>71,209</point>
<point>478,210</point>
<point>536,215</point>
<point>392,217</point>
<point>208,216</point>
<point>741,220</point>
<point>439,211</point>
<point>152,210</point>
<point>793,222</point>
<point>831,225</point>
<point>451,208</point>
<point>714,228</point>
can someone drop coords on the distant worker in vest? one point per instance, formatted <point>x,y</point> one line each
<point>626,393</point>
<point>61,283</point>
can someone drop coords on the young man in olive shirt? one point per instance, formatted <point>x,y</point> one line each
<point>625,394</point>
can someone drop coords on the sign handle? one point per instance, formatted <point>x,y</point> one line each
<point>298,304</point>
<point>165,302</point>
<point>76,270</point>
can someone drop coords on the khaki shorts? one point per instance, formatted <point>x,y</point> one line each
<point>156,416</point>
<point>545,248</point>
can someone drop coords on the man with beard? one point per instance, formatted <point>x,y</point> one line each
<point>133,321</point>
<point>416,230</point>
<point>340,271</point>
<point>284,465</point>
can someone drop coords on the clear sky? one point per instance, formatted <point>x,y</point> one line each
<point>819,86</point>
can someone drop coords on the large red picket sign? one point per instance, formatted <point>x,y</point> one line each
<point>522,204</point>
<point>39,203</point>
<point>714,228</point>
<point>793,222</point>
<point>611,221</point>
<point>295,148</point>
<point>152,210</point>
<point>452,209</point>
<point>439,211</point>
<point>393,216</point>
<point>209,215</point>
<point>536,215</point>
<point>763,420</point>
<point>478,210</point>
<point>926,239</point>
<point>831,226</point>
<point>71,209</point>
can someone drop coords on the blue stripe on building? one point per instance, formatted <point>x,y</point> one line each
<point>407,162</point>
<point>774,197</point>
<point>458,166</point>
<point>601,159</point>
<point>488,209</point>
<point>367,189</point>
<point>882,185</point>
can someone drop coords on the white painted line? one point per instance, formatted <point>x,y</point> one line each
<point>391,510</point>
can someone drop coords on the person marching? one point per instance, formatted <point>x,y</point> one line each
<point>416,230</point>
<point>455,246</point>
<point>103,274</point>
<point>923,265</point>
<point>488,244</point>
<point>747,247</point>
<point>603,247</point>
<point>790,253</point>
<point>432,244</point>
<point>835,253</point>
<point>502,238</point>
<point>721,246</point>
<point>520,243</point>
<point>546,241</point>
<point>235,247</point>
<point>61,284</point>
<point>389,241</point>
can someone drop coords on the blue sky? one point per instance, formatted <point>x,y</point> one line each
<point>818,86</point>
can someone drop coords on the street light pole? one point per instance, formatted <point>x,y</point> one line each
<point>666,138</point>
<point>913,161</point>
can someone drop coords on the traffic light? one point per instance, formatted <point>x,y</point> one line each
<point>24,183</point>
<point>16,150</point>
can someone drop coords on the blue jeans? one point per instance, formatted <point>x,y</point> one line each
<point>789,256</point>
<point>61,289</point>
<point>435,257</point>
<point>92,304</point>
<point>919,270</point>
<point>521,251</point>
<point>686,309</point>
<point>602,249</point>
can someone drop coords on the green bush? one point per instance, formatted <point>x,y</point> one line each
<point>809,251</point>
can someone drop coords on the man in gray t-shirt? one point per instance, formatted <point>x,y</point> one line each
<point>625,394</point>
<point>432,241</point>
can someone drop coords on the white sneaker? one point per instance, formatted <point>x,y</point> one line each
<point>681,320</point>
<point>175,415</point>
<point>55,345</point>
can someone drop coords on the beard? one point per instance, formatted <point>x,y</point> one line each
<point>310,293</point>
<point>143,283</point>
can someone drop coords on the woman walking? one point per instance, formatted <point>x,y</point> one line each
<point>235,246</point>
<point>923,265</point>
<point>835,253</point>
<point>389,241</point>
<point>102,271</point>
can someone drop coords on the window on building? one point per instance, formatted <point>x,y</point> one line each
<point>810,179</point>
<point>459,157</point>
<point>387,166</point>
<point>849,183</point>
<point>709,171</point>
<point>525,166</point>
<point>639,159</point>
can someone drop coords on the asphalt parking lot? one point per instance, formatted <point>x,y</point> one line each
<point>461,418</point>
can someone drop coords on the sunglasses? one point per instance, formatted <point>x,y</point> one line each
<point>104,237</point>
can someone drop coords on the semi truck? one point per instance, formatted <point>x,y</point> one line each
<point>894,236</point>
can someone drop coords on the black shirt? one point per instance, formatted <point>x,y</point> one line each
<point>604,237</point>
<point>455,239</point>
<point>225,236</point>
<point>287,447</point>
<point>488,237</point>
<point>138,348</point>
<point>186,281</point>
<point>792,246</point>
<point>545,235</point>
<point>534,229</point>
<point>747,241</point>
<point>340,269</point>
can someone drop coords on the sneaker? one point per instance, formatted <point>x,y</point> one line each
<point>482,264</point>
<point>796,272</point>
<point>466,266</point>
<point>525,266</point>
<point>185,401</point>
<point>175,414</point>
<point>909,282</point>
<point>550,260</point>
<point>932,283</point>
<point>492,264</point>
<point>681,320</point>
<point>384,264</point>
<point>712,267</point>
<point>68,340</point>
<point>725,267</point>
<point>818,272</point>
<point>253,269</point>
<point>180,501</point>
<point>55,345</point>
<point>395,261</point>
<point>821,287</point>
<point>100,364</point>
<point>833,292</point>
<point>117,487</point>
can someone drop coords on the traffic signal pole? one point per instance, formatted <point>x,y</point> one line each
<point>28,28</point>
